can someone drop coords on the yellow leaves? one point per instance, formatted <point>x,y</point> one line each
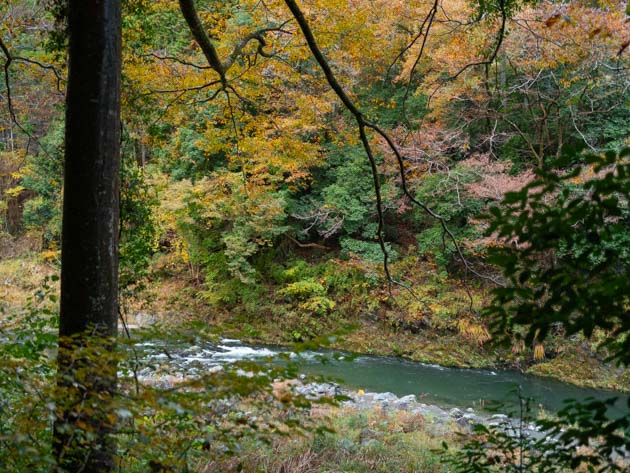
<point>539,351</point>
<point>50,256</point>
<point>14,191</point>
<point>474,331</point>
<point>434,307</point>
<point>570,38</point>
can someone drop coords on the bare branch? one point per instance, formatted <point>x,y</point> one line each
<point>259,36</point>
<point>307,245</point>
<point>420,34</point>
<point>495,51</point>
<point>184,89</point>
<point>7,82</point>
<point>177,60</point>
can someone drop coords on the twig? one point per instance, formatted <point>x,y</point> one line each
<point>7,82</point>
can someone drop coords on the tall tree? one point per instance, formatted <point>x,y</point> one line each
<point>85,422</point>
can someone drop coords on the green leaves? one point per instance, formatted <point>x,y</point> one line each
<point>581,436</point>
<point>565,255</point>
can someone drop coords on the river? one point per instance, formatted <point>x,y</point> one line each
<point>447,387</point>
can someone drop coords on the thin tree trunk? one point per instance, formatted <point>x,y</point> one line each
<point>89,261</point>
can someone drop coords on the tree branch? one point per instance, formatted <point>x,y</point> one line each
<point>495,51</point>
<point>196,28</point>
<point>362,124</point>
<point>205,43</point>
<point>7,82</point>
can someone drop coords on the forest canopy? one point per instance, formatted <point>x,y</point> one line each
<point>439,175</point>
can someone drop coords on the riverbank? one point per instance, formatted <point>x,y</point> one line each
<point>401,417</point>
<point>361,322</point>
<point>379,432</point>
<point>439,420</point>
<point>361,441</point>
<point>354,314</point>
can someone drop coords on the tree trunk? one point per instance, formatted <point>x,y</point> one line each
<point>85,420</point>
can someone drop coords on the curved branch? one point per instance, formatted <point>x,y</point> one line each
<point>428,19</point>
<point>423,206</point>
<point>177,60</point>
<point>495,52</point>
<point>259,36</point>
<point>360,119</point>
<point>7,82</point>
<point>196,28</point>
<point>362,124</point>
<point>205,43</point>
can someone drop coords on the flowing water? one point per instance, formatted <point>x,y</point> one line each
<point>431,384</point>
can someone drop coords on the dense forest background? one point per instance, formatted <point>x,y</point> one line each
<point>258,200</point>
<point>247,200</point>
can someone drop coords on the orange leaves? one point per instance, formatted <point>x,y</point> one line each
<point>570,41</point>
<point>552,20</point>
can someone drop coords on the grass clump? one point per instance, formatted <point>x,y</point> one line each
<point>354,441</point>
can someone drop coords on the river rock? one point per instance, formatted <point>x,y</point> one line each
<point>191,350</point>
<point>436,414</point>
<point>314,391</point>
<point>405,402</point>
<point>385,397</point>
<point>142,319</point>
<point>468,420</point>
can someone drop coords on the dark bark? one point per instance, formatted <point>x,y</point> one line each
<point>89,261</point>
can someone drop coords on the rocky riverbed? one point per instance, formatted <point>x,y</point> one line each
<point>441,419</point>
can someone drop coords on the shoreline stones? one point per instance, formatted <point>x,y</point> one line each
<point>443,418</point>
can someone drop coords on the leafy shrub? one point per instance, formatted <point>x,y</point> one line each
<point>299,270</point>
<point>448,197</point>
<point>318,305</point>
<point>139,227</point>
<point>582,287</point>
<point>164,420</point>
<point>43,176</point>
<point>569,265</point>
<point>581,438</point>
<point>366,250</point>
<point>341,202</point>
<point>302,290</point>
